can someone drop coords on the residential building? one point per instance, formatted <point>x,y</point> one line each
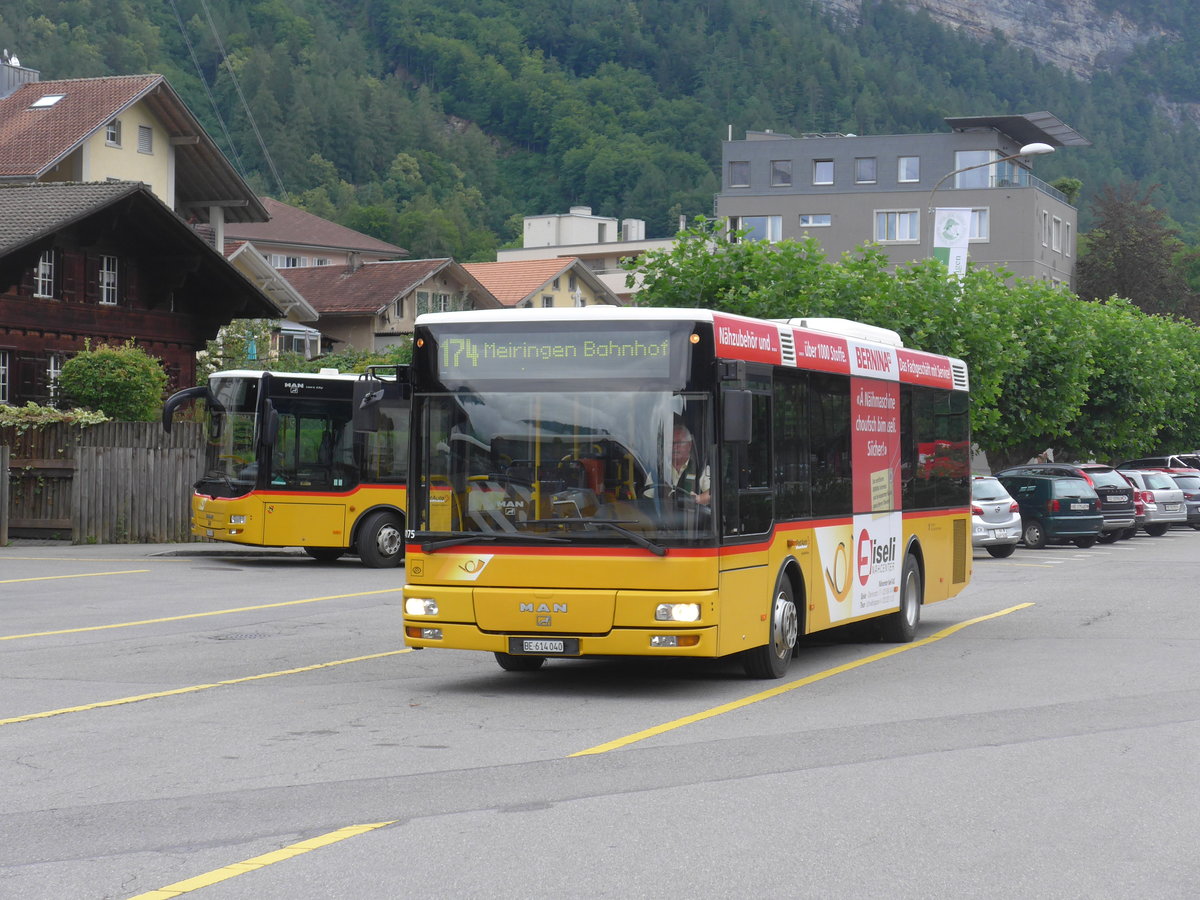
<point>545,283</point>
<point>103,263</point>
<point>847,190</point>
<point>373,305</point>
<point>292,238</point>
<point>601,242</point>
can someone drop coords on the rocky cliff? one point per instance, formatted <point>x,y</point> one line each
<point>1071,34</point>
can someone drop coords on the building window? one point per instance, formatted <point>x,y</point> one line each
<point>554,284</point>
<point>43,278</point>
<point>54,364</point>
<point>572,282</point>
<point>781,173</point>
<point>547,301</point>
<point>816,220</point>
<point>822,171</point>
<point>145,139</point>
<point>739,173</point>
<point>908,169</point>
<point>757,228</point>
<point>1066,238</point>
<point>864,170</point>
<point>399,307</point>
<point>1056,234</point>
<point>5,360</point>
<point>321,261</point>
<point>108,280</point>
<point>1045,228</point>
<point>46,102</point>
<point>112,133</point>
<point>894,225</point>
<point>975,178</point>
<point>981,227</point>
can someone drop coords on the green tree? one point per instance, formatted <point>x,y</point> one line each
<point>1131,252</point>
<point>242,344</point>
<point>125,383</point>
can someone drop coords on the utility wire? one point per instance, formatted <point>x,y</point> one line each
<point>241,169</point>
<point>238,87</point>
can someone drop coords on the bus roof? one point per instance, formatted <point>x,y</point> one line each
<point>821,344</point>
<point>323,375</point>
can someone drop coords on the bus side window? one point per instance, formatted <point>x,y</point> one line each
<point>790,436</point>
<point>829,434</point>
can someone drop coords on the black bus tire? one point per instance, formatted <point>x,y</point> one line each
<point>772,659</point>
<point>380,541</point>
<point>901,626</point>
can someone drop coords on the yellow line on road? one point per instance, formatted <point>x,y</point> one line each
<point>226,872</point>
<point>82,575</point>
<point>216,612</point>
<point>197,687</point>
<point>790,686</point>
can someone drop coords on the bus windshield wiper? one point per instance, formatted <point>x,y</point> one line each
<point>614,524</point>
<point>476,537</point>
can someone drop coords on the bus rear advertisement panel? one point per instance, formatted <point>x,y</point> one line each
<point>724,486</point>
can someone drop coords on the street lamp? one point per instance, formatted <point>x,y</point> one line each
<point>1036,149</point>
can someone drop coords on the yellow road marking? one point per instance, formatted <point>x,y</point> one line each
<point>232,871</point>
<point>216,612</point>
<point>83,575</point>
<point>197,687</point>
<point>790,686</point>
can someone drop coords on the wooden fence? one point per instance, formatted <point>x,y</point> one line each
<point>117,482</point>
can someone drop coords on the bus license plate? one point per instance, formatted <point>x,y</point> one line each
<point>1079,506</point>
<point>543,646</point>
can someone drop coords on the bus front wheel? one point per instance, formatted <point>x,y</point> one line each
<point>901,626</point>
<point>325,554</point>
<point>381,541</point>
<point>771,660</point>
<point>512,663</point>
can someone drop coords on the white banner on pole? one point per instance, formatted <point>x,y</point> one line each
<point>951,233</point>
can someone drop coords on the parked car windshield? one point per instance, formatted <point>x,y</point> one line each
<point>1110,478</point>
<point>986,489</point>
<point>1158,481</point>
<point>1072,487</point>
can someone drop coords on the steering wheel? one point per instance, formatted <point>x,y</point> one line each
<point>653,488</point>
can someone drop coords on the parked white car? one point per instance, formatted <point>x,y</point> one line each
<point>995,517</point>
<point>1162,499</point>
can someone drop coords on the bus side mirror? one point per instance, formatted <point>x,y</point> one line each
<point>737,422</point>
<point>177,400</point>
<point>368,394</point>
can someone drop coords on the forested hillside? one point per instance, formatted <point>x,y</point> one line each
<point>435,124</point>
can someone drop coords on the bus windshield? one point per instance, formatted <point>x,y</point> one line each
<point>614,466</point>
<point>232,463</point>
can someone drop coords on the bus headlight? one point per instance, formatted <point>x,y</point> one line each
<point>237,520</point>
<point>420,606</point>
<point>677,612</point>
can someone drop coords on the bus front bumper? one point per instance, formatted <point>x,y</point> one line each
<point>665,641</point>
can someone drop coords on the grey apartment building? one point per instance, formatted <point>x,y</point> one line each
<point>846,190</point>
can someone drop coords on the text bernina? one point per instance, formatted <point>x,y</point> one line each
<point>543,607</point>
<point>867,358</point>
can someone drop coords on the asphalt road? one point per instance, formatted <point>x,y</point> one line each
<point>248,725</point>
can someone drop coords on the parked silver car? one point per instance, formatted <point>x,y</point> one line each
<point>995,517</point>
<point>1190,485</point>
<point>1161,497</point>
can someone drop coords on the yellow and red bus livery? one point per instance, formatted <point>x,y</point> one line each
<point>553,513</point>
<point>286,465</point>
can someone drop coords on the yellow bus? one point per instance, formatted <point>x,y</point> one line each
<point>287,466</point>
<point>552,514</point>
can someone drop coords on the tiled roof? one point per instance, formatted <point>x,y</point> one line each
<point>344,290</point>
<point>290,225</point>
<point>512,282</point>
<point>30,211</point>
<point>34,140</point>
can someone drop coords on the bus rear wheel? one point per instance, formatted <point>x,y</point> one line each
<point>325,554</point>
<point>380,541</point>
<point>511,663</point>
<point>901,626</point>
<point>771,660</point>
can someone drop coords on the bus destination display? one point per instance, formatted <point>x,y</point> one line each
<point>574,356</point>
